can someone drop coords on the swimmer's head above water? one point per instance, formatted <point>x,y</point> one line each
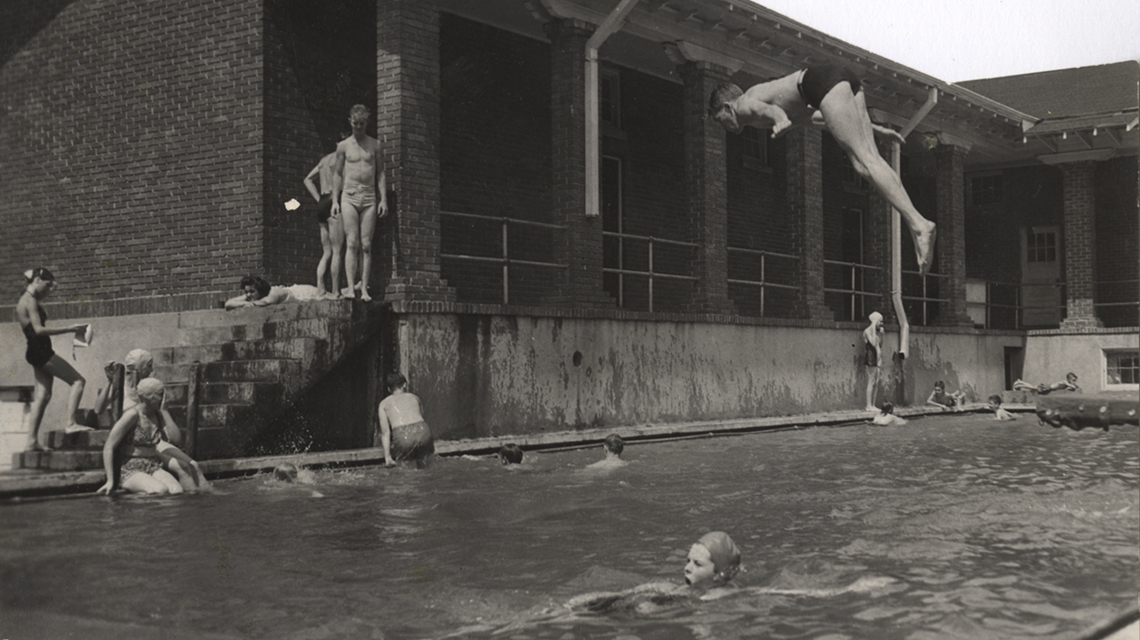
<point>511,454</point>
<point>285,472</point>
<point>713,558</point>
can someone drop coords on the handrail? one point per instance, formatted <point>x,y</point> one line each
<point>763,282</point>
<point>504,258</point>
<point>649,272</point>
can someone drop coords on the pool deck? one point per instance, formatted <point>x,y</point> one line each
<point>25,483</point>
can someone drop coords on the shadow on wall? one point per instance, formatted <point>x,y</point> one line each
<point>21,20</point>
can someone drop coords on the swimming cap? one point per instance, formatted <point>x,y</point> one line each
<point>724,554</point>
<point>140,359</point>
<point>875,317</point>
<point>150,388</point>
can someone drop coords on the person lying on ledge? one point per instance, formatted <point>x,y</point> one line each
<point>256,292</point>
<point>1069,384</point>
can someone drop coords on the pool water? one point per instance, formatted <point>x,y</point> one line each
<point>949,527</point>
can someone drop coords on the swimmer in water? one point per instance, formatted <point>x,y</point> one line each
<point>713,562</point>
<point>613,445</point>
<point>510,454</point>
<point>887,416</point>
<point>999,413</point>
<point>403,434</point>
<point>285,472</point>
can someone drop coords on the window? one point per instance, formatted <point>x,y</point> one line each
<point>1040,246</point>
<point>1121,369</point>
<point>754,154</point>
<point>986,189</point>
<point>609,98</point>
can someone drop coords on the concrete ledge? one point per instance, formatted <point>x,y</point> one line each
<point>23,483</point>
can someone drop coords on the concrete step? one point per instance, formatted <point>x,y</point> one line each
<point>267,393</point>
<point>235,417</point>
<point>300,328</point>
<point>285,371</point>
<point>308,349</point>
<point>84,440</point>
<point>261,315</point>
<point>58,460</point>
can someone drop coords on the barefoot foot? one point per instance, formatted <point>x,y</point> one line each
<point>924,247</point>
<point>76,428</point>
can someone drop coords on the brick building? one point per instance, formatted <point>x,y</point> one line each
<point>148,148</point>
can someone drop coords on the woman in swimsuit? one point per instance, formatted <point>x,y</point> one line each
<point>153,462</point>
<point>45,363</point>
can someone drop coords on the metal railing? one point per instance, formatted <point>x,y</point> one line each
<point>924,300</point>
<point>762,280</point>
<point>504,259</point>
<point>855,293</point>
<point>650,272</point>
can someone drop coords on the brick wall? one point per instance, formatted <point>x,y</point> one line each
<point>130,147</point>
<point>760,218</point>
<point>1117,232</point>
<point>494,158</point>
<point>319,61</point>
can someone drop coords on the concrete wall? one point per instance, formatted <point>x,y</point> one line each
<point>485,375</point>
<point>114,337</point>
<point>1049,355</point>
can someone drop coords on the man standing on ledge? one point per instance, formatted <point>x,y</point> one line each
<point>358,180</point>
<point>831,96</point>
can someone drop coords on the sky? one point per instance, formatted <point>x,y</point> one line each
<point>956,40</point>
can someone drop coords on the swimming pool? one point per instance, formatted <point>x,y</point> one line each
<point>966,527</point>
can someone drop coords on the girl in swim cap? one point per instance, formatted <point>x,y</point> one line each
<point>713,558</point>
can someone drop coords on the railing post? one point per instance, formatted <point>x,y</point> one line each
<point>118,378</point>
<point>192,410</point>
<point>651,274</point>
<point>506,265</point>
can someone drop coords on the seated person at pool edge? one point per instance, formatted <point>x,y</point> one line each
<point>832,96</point>
<point>1069,384</point>
<point>258,293</point>
<point>948,401</point>
<point>153,465</point>
<point>404,435</point>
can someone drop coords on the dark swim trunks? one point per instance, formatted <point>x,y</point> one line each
<point>324,208</point>
<point>816,82</point>
<point>39,347</point>
<point>872,355</point>
<point>412,441</point>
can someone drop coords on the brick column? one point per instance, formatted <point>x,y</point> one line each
<point>950,253</point>
<point>1080,245</point>
<point>706,188</point>
<point>579,247</point>
<point>805,202</point>
<point>407,116</point>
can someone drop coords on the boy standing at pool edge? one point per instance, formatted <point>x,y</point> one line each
<point>404,435</point>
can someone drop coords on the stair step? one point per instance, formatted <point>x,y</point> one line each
<point>270,393</point>
<point>300,328</point>
<point>262,315</point>
<point>280,370</point>
<point>235,417</point>
<point>299,348</point>
<point>84,440</point>
<point>58,460</point>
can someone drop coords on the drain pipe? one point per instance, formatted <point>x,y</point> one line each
<point>896,228</point>
<point>609,26</point>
